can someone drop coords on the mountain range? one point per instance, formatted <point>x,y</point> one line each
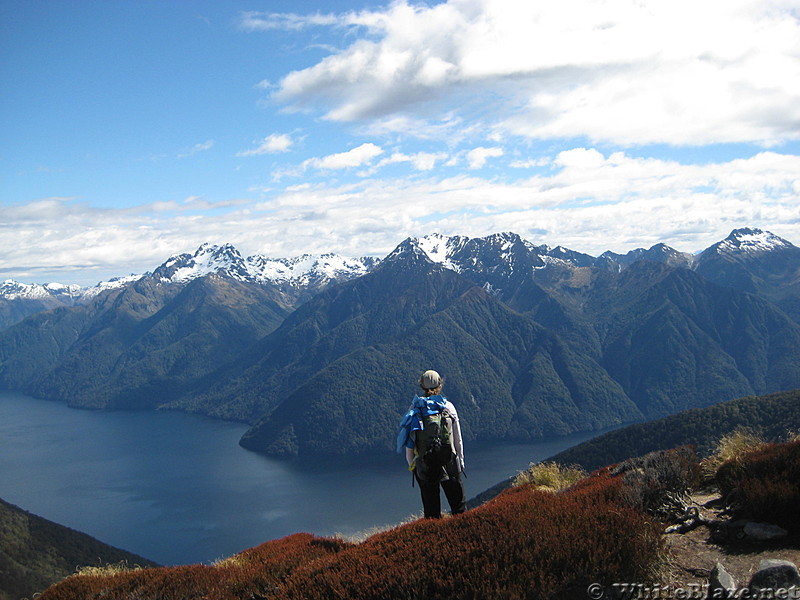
<point>320,354</point>
<point>297,278</point>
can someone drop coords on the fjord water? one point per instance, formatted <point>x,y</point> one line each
<point>177,488</point>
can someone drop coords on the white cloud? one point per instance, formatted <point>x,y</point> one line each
<point>477,157</point>
<point>586,200</point>
<point>581,158</point>
<point>272,144</point>
<point>263,21</point>
<point>357,157</point>
<point>201,147</point>
<point>622,71</point>
<point>268,21</point>
<point>422,161</point>
<point>529,163</point>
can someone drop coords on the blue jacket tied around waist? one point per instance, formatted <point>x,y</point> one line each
<point>412,420</point>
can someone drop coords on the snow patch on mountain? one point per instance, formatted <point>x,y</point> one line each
<point>549,259</point>
<point>441,248</point>
<point>65,294</point>
<point>496,253</point>
<point>300,271</point>
<point>14,290</point>
<point>307,269</point>
<point>207,260</point>
<point>103,286</point>
<point>751,241</point>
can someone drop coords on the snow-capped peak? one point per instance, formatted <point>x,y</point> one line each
<point>460,253</point>
<point>66,294</point>
<point>751,241</point>
<point>497,255</point>
<point>111,284</point>
<point>441,248</point>
<point>207,260</point>
<point>14,290</point>
<point>307,269</point>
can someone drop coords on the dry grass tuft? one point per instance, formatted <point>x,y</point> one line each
<point>549,476</point>
<point>106,570</point>
<point>731,447</point>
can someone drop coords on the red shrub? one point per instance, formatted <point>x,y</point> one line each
<point>656,483</point>
<point>524,544</point>
<point>600,485</point>
<point>765,484</point>
<point>169,583</point>
<point>255,572</point>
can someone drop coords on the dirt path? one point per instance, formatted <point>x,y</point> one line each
<point>692,556</point>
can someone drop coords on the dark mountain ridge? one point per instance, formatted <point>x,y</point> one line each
<point>651,323</point>
<point>772,417</point>
<point>659,253</point>
<point>758,262</point>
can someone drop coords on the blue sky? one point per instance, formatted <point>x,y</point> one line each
<point>134,130</point>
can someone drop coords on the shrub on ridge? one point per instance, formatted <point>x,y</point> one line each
<point>524,544</point>
<point>549,476</point>
<point>252,573</point>
<point>764,484</point>
<point>731,447</point>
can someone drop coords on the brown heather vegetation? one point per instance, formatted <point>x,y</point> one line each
<point>524,544</point>
<point>253,572</point>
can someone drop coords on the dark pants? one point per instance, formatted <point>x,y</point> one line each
<point>453,490</point>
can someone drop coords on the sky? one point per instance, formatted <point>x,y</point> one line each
<point>131,131</point>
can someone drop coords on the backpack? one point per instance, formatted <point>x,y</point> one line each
<point>434,446</point>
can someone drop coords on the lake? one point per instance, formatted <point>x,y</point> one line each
<point>178,488</point>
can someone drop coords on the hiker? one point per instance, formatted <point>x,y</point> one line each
<point>431,435</point>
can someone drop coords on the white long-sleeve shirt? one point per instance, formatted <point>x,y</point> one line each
<point>457,443</point>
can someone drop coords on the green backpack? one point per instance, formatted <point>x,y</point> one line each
<point>434,445</point>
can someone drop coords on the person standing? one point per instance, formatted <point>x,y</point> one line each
<point>430,432</point>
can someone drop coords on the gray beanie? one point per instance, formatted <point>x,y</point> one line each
<point>430,380</point>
